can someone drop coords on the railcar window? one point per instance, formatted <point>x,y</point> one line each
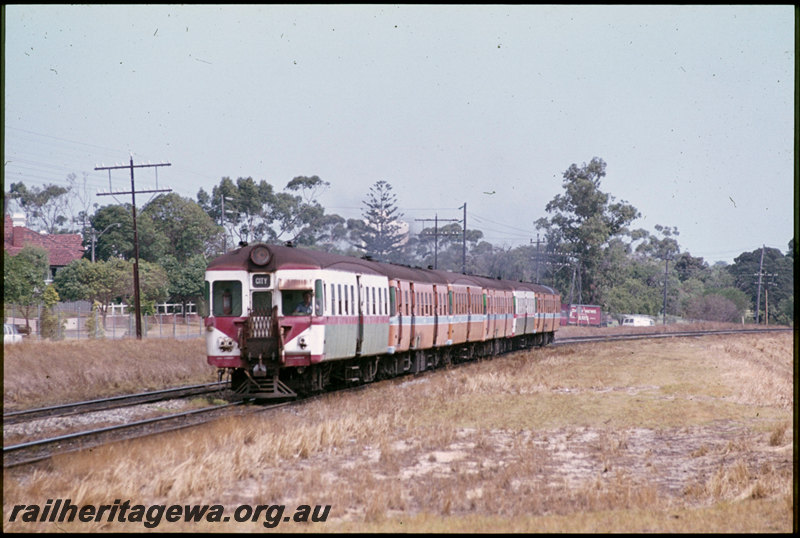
<point>204,310</point>
<point>227,298</point>
<point>319,292</point>
<point>339,297</point>
<point>297,302</point>
<point>262,302</point>
<point>353,300</point>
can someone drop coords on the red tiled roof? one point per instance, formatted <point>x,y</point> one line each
<point>62,248</point>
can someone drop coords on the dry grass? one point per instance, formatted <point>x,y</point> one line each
<point>46,373</point>
<point>668,436</point>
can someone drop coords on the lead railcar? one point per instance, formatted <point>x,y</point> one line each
<point>284,320</point>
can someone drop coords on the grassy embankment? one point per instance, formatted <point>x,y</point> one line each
<point>684,435</point>
<point>46,373</point>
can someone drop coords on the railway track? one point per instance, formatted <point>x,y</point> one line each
<point>41,449</point>
<point>654,335</point>
<point>112,402</point>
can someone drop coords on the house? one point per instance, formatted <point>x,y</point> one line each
<point>62,248</point>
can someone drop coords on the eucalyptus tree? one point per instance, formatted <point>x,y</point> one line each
<point>46,208</point>
<point>584,219</point>
<point>242,208</point>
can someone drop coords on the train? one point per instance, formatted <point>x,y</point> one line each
<point>283,321</point>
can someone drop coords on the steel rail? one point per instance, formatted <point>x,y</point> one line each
<point>34,451</point>
<point>649,335</point>
<point>112,402</point>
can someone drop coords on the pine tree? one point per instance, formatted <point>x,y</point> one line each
<point>380,234</point>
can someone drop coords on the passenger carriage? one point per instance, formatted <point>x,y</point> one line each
<point>282,320</point>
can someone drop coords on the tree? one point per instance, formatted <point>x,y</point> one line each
<point>584,219</point>
<point>117,241</point>
<point>186,279</point>
<point>245,201</point>
<point>687,266</point>
<point>301,219</point>
<point>45,207</point>
<point>102,281</point>
<point>24,279</point>
<point>777,278</point>
<point>255,212</point>
<point>712,307</point>
<point>110,281</point>
<point>380,234</point>
<point>187,228</point>
<point>49,324</point>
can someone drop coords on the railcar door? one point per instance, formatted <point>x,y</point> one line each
<point>360,314</point>
<point>413,344</point>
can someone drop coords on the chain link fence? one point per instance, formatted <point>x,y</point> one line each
<point>77,321</point>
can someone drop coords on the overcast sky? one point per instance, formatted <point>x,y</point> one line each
<point>691,107</point>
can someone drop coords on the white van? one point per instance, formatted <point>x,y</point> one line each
<point>10,334</point>
<point>638,321</point>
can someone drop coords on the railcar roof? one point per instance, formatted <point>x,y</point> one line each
<point>284,257</point>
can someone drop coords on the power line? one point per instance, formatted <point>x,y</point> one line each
<point>436,236</point>
<point>133,191</point>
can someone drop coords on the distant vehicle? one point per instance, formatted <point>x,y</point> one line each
<point>10,334</point>
<point>637,321</point>
<point>581,314</point>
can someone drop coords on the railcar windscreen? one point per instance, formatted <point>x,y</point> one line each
<point>226,298</point>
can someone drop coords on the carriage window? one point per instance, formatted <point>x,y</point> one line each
<point>227,298</point>
<point>333,300</point>
<point>319,291</point>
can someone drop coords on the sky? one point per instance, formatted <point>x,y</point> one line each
<point>691,107</point>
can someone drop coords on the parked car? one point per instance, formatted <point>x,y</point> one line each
<point>10,334</point>
<point>638,321</point>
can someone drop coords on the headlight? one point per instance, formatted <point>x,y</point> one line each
<point>226,344</point>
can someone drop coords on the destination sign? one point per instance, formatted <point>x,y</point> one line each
<point>261,281</point>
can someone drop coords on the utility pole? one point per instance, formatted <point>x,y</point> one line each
<point>436,237</point>
<point>537,257</point>
<point>133,191</point>
<point>666,269</point>
<point>760,274</point>
<point>464,244</point>
<point>224,231</point>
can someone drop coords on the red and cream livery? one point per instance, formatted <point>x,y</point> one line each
<point>283,320</point>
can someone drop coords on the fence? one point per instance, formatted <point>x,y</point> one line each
<point>74,321</point>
